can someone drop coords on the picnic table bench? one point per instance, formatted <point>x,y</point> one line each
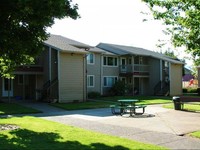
<point>189,100</point>
<point>125,106</point>
<point>186,100</point>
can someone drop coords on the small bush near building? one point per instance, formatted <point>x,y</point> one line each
<point>118,89</point>
<point>94,95</point>
<point>184,90</point>
<point>192,90</point>
<point>198,91</point>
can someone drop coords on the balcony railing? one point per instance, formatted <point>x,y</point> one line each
<point>134,69</point>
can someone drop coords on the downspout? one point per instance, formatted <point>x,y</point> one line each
<point>133,74</point>
<point>101,74</point>
<point>58,63</point>
<point>50,70</point>
<point>84,78</point>
<point>169,78</point>
<point>161,73</point>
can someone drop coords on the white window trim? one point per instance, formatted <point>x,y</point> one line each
<point>107,60</point>
<point>108,77</point>
<point>93,59</point>
<point>88,77</point>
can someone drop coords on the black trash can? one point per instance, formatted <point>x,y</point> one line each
<point>177,103</point>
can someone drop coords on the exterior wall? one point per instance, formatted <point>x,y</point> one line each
<point>109,71</point>
<point>22,90</point>
<point>95,69</point>
<point>154,74</point>
<point>54,64</point>
<point>71,77</point>
<point>175,79</point>
<point>198,78</point>
<point>45,57</point>
<point>38,85</point>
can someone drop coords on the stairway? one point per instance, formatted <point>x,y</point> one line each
<point>162,89</point>
<point>46,90</point>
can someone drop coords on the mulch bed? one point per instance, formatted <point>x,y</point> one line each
<point>8,127</point>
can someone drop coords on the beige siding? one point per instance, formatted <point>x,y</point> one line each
<point>176,80</point>
<point>71,81</point>
<point>198,76</point>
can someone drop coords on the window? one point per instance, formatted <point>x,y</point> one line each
<point>90,58</point>
<point>110,61</point>
<point>109,81</point>
<point>90,80</point>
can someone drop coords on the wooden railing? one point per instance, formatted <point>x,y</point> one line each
<point>133,68</point>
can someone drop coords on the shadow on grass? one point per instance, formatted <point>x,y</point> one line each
<point>23,139</point>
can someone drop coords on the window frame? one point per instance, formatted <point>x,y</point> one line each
<point>89,59</point>
<point>106,61</point>
<point>107,82</point>
<point>89,80</point>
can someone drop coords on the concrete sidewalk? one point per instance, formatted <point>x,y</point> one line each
<point>158,125</point>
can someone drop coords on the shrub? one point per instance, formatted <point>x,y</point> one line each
<point>118,88</point>
<point>94,95</point>
<point>192,90</point>
<point>198,91</point>
<point>184,90</point>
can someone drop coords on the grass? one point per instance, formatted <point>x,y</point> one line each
<point>82,105</point>
<point>12,108</point>
<point>35,133</point>
<point>187,107</point>
<point>104,102</point>
<point>195,134</point>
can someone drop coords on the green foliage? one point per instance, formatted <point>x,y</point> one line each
<point>192,90</point>
<point>198,91</point>
<point>182,20</point>
<point>184,90</point>
<point>170,54</point>
<point>23,29</point>
<point>94,94</point>
<point>118,88</point>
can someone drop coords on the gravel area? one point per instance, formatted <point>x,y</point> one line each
<point>8,127</point>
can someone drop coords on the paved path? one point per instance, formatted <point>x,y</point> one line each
<point>158,126</point>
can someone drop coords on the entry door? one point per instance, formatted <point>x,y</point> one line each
<point>7,87</point>
<point>123,65</point>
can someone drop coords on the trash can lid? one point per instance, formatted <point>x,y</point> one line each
<point>176,97</point>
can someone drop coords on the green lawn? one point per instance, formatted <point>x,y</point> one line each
<point>187,107</point>
<point>12,108</point>
<point>195,134</point>
<point>105,102</point>
<point>35,133</point>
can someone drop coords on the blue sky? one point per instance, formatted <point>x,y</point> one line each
<point>113,21</point>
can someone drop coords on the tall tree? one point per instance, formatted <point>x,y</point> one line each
<point>23,29</point>
<point>182,18</point>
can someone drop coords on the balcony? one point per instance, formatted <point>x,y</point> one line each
<point>136,69</point>
<point>32,69</point>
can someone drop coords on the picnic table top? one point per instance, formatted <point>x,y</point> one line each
<point>128,100</point>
